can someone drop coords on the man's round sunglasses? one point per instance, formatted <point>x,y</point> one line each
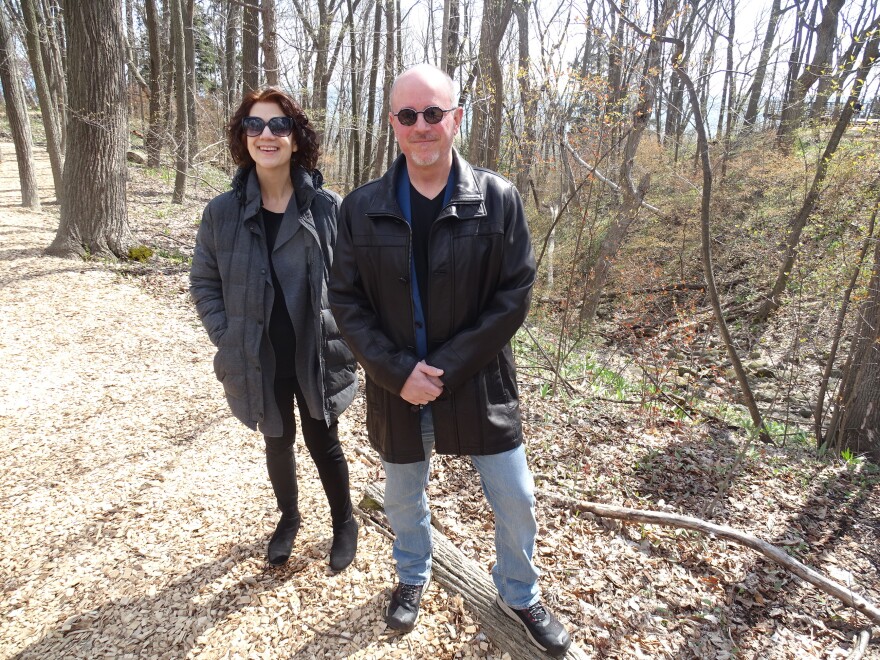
<point>280,126</point>
<point>433,114</point>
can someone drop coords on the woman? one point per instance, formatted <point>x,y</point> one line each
<point>259,281</point>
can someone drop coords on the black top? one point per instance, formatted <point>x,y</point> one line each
<point>424,211</point>
<point>281,333</point>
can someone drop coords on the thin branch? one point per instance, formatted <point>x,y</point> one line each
<point>844,594</point>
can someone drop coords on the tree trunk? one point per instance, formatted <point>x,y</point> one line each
<point>528,101</point>
<point>760,73</point>
<point>826,35</point>
<point>94,219</point>
<point>48,109</point>
<point>856,424</point>
<point>19,123</point>
<point>458,574</point>
<point>181,118</point>
<point>369,157</point>
<point>250,49</point>
<point>192,133</point>
<point>54,63</point>
<point>154,132</point>
<point>485,138</point>
<point>230,38</point>
<point>354,142</point>
<point>270,43</point>
<point>384,143</point>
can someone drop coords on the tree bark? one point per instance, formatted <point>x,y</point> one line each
<point>250,49</point>
<point>818,412</point>
<point>761,71</point>
<point>384,143</point>
<point>826,35</point>
<point>192,133</point>
<point>94,219</point>
<point>181,118</point>
<point>19,123</point>
<point>54,63</point>
<point>270,43</point>
<point>51,121</point>
<point>230,42</point>
<point>528,101</point>
<point>856,423</point>
<point>370,157</point>
<point>154,132</point>
<point>485,138</point>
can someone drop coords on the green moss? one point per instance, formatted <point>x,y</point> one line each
<point>140,253</point>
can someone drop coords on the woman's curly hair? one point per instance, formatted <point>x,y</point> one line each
<point>305,156</point>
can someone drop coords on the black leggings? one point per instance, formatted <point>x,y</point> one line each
<point>322,442</point>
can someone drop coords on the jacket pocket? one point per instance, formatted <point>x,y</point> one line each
<point>228,369</point>
<point>336,350</point>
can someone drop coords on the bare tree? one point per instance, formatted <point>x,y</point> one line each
<point>94,219</point>
<point>384,144</point>
<point>153,141</point>
<point>826,35</point>
<point>250,48</point>
<point>485,137</point>
<point>181,118</point>
<point>51,122</point>
<point>871,37</point>
<point>270,42</point>
<point>757,86</point>
<point>632,195</point>
<point>856,423</point>
<point>19,123</point>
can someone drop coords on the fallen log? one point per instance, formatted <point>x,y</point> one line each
<point>843,593</point>
<point>460,575</point>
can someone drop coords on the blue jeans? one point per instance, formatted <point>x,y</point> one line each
<point>508,486</point>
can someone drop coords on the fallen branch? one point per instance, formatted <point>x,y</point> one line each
<point>460,575</point>
<point>842,593</point>
<point>860,645</point>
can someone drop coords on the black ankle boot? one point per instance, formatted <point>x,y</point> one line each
<point>281,542</point>
<point>344,548</point>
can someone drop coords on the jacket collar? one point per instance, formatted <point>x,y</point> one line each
<point>466,200</point>
<point>246,188</point>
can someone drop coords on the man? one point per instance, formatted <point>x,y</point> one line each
<point>432,277</point>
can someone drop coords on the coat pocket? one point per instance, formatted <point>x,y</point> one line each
<point>228,367</point>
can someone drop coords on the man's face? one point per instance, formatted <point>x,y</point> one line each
<point>424,145</point>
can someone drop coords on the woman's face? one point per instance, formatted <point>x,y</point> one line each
<point>270,151</point>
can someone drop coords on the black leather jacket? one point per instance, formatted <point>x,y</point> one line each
<point>482,269</point>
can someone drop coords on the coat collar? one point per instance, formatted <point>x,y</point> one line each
<point>466,199</point>
<point>246,187</point>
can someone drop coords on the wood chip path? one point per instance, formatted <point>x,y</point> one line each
<point>134,510</point>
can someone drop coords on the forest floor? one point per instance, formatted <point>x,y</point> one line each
<point>134,510</point>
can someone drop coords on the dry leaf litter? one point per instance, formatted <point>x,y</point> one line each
<point>135,510</point>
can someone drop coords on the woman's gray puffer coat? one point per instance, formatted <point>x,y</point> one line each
<point>231,285</point>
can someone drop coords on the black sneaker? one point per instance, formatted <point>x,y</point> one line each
<point>542,627</point>
<point>403,609</point>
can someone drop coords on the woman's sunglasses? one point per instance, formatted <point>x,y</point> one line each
<point>280,126</point>
<point>433,115</point>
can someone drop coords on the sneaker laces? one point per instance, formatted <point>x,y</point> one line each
<point>410,592</point>
<point>537,611</point>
